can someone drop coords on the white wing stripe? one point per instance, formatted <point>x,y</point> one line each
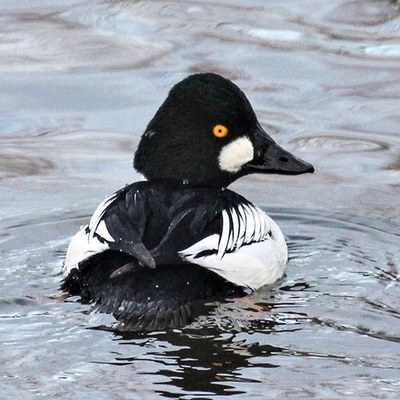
<point>242,225</point>
<point>98,214</point>
<point>242,228</point>
<point>102,231</point>
<point>257,226</point>
<point>223,243</point>
<point>235,229</point>
<point>249,224</point>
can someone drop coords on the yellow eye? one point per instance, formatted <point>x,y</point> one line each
<point>220,131</point>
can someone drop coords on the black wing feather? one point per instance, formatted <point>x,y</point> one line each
<point>125,220</point>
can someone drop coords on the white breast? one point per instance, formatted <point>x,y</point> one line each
<point>250,251</point>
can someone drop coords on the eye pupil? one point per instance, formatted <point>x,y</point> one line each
<point>220,131</point>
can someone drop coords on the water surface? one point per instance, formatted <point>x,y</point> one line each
<point>80,80</point>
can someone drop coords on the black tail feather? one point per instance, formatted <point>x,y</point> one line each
<point>146,299</point>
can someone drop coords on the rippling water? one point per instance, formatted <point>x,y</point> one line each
<point>79,82</point>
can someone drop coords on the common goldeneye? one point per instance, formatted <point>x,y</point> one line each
<point>154,247</point>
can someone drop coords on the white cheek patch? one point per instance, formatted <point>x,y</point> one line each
<point>235,154</point>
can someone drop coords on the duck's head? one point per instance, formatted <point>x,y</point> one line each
<point>206,133</point>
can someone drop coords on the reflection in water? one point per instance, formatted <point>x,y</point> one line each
<point>203,366</point>
<point>210,367</point>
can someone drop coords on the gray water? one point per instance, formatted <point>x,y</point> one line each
<point>79,80</point>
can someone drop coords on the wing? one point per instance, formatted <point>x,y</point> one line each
<point>124,224</point>
<point>190,219</point>
<point>249,250</point>
<point>118,223</point>
<point>204,223</point>
<point>239,225</point>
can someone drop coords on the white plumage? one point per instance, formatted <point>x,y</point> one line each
<point>236,154</point>
<point>85,242</point>
<point>250,251</point>
<point>99,213</point>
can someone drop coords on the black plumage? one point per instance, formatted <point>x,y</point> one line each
<point>146,299</point>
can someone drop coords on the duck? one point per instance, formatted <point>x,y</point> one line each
<point>156,248</point>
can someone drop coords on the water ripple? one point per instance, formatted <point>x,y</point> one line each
<point>52,42</point>
<point>79,82</point>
